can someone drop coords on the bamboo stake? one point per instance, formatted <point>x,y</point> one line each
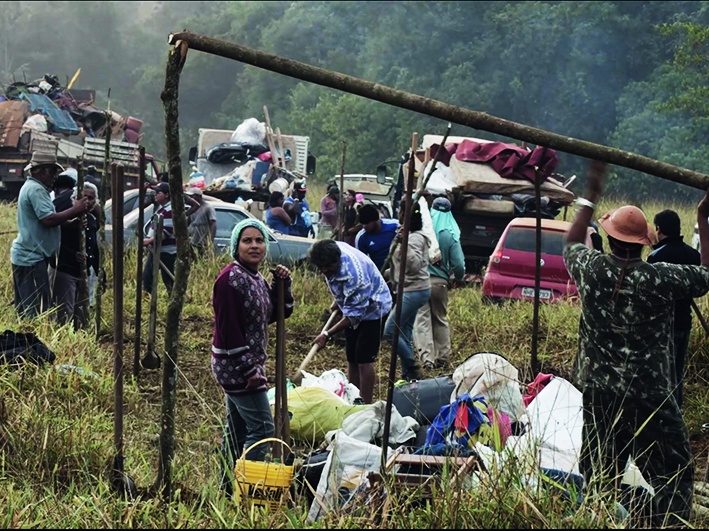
<point>408,203</point>
<point>439,109</point>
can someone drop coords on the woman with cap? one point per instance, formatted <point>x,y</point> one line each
<point>623,364</point>
<point>431,329</point>
<point>244,305</point>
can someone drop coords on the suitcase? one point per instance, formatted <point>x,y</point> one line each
<point>423,399</point>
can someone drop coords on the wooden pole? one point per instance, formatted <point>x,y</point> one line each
<point>408,203</point>
<point>439,109</point>
<point>537,273</point>
<point>418,193</point>
<point>83,298</point>
<point>281,406</point>
<point>102,245</point>
<point>139,272</point>
<point>341,206</point>
<point>117,243</point>
<point>169,97</point>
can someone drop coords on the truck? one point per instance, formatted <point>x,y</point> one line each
<point>45,117</point>
<point>230,169</point>
<point>483,202</point>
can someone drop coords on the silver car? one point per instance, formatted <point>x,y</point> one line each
<point>283,249</point>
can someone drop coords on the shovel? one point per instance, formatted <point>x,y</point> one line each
<point>297,377</point>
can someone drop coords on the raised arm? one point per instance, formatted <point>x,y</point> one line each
<point>594,186</point>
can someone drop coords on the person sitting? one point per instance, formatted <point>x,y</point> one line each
<point>277,218</point>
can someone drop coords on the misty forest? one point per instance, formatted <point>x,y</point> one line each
<point>631,75</point>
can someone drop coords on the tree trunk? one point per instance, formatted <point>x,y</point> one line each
<point>169,96</point>
<point>439,109</point>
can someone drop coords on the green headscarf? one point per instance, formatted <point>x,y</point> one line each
<point>443,219</point>
<point>239,228</point>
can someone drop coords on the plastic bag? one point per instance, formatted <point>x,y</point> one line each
<point>251,132</point>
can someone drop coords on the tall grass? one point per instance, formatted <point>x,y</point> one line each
<point>56,423</point>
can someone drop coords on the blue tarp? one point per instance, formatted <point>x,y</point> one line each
<point>61,120</point>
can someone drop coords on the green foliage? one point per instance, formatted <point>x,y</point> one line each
<point>56,424</point>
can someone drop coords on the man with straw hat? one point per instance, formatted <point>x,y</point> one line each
<point>38,235</point>
<point>623,365</point>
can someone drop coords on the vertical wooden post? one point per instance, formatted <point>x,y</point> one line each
<point>139,272</point>
<point>341,205</point>
<point>102,245</point>
<point>83,298</point>
<point>537,275</point>
<point>399,297</point>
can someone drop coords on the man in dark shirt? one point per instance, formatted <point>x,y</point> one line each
<point>66,277</point>
<point>671,248</point>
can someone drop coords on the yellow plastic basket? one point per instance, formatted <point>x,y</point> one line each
<point>262,483</point>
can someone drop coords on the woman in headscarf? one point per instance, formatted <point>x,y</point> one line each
<point>431,329</point>
<point>244,305</point>
<point>416,291</point>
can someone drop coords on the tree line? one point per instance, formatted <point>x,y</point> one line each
<point>631,75</point>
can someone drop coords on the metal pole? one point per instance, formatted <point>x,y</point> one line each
<point>341,206</point>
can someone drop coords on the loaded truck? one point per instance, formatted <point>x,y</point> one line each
<point>483,202</point>
<point>43,116</point>
<point>233,164</point>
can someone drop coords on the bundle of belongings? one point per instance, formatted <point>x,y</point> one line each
<point>246,162</point>
<point>480,413</point>
<point>48,107</point>
<point>495,177</point>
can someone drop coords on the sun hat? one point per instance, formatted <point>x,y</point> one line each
<point>43,159</point>
<point>628,224</point>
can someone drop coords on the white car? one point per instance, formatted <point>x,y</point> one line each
<point>283,249</point>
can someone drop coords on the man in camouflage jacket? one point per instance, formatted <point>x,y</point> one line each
<point>623,365</point>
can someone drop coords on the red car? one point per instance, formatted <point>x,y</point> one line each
<point>511,267</point>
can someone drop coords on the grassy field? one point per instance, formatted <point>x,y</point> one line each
<point>56,427</point>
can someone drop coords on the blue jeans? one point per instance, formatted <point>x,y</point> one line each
<point>248,420</point>
<point>410,304</point>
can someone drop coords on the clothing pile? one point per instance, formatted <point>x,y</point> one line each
<point>45,105</point>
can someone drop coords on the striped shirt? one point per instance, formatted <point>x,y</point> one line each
<point>168,243</point>
<point>358,287</point>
